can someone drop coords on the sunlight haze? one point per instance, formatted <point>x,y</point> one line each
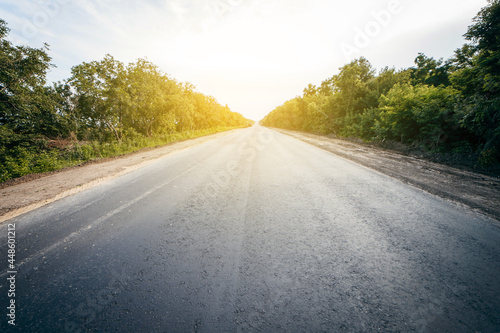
<point>249,54</point>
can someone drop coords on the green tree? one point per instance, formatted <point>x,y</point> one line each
<point>484,34</point>
<point>352,87</point>
<point>430,71</point>
<point>464,72</point>
<point>481,111</point>
<point>418,114</point>
<point>98,96</point>
<point>311,90</point>
<point>151,103</point>
<point>23,96</point>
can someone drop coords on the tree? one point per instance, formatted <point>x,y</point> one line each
<point>430,71</point>
<point>387,78</point>
<point>481,112</point>
<point>151,98</point>
<point>23,73</point>
<point>485,36</point>
<point>311,90</point>
<point>98,95</point>
<point>352,87</point>
<point>464,73</point>
<point>421,113</point>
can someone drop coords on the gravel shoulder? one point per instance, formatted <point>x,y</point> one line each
<point>478,191</point>
<point>24,194</point>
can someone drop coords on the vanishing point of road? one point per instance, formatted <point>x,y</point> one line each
<point>254,231</point>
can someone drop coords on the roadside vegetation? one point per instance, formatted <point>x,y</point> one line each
<point>106,108</point>
<point>448,107</point>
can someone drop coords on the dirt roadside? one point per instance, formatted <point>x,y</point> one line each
<point>30,192</point>
<point>477,191</point>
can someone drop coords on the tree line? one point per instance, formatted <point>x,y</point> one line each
<point>440,105</point>
<point>105,108</point>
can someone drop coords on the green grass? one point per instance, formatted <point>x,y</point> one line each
<point>22,161</point>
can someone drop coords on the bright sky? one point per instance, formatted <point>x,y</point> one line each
<point>250,54</point>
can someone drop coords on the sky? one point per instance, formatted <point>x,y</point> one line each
<point>252,55</point>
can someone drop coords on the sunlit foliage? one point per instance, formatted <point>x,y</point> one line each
<point>444,106</point>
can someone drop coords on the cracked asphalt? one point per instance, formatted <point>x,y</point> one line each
<point>254,231</point>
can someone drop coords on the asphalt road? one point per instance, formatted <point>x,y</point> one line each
<point>253,232</point>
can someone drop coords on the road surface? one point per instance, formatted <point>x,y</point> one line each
<point>253,232</point>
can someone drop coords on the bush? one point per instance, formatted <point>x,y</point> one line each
<point>423,114</point>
